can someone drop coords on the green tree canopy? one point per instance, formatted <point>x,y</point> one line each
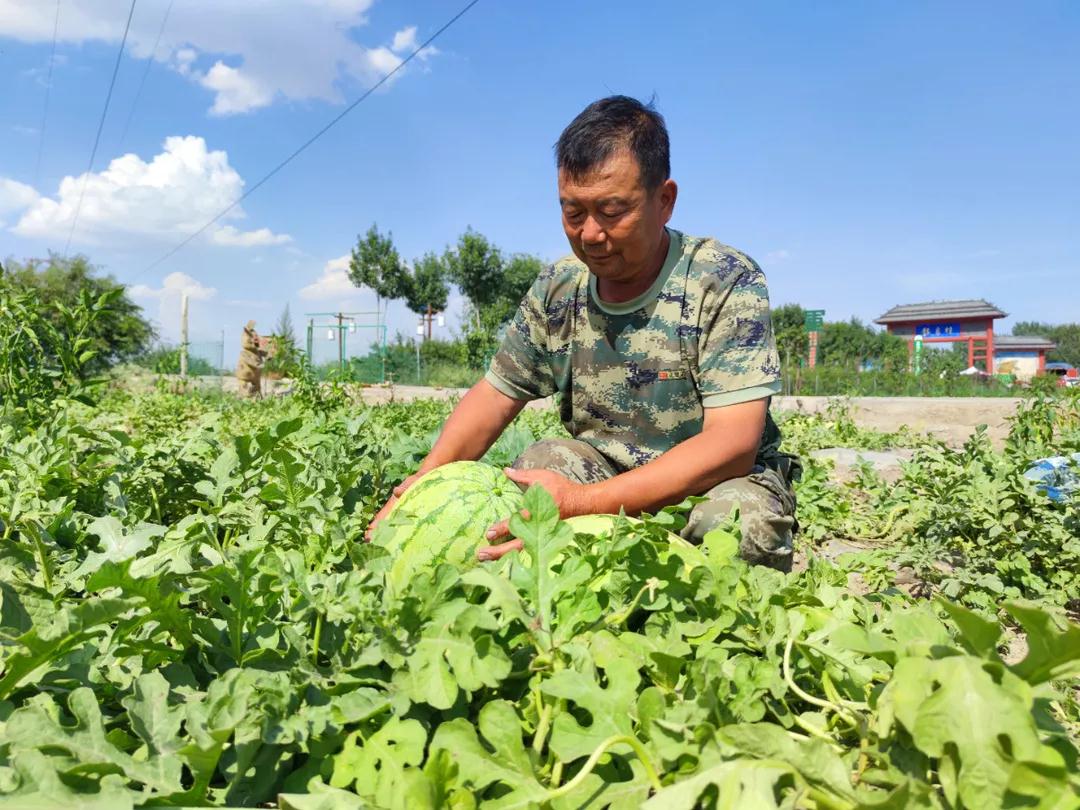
<point>285,355</point>
<point>517,277</point>
<point>284,328</point>
<point>427,285</point>
<point>375,263</point>
<point>117,334</point>
<point>852,343</point>
<point>789,326</point>
<point>476,266</point>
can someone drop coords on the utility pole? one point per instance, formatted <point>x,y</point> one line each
<point>183,335</point>
<point>341,317</point>
<point>428,318</point>
<point>340,340</point>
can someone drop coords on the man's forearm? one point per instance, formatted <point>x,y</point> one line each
<point>477,421</point>
<point>721,451</point>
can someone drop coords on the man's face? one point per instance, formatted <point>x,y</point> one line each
<point>614,224</point>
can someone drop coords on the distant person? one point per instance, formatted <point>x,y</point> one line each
<point>659,344</point>
<point>249,366</point>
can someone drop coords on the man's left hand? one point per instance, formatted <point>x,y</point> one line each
<point>569,496</point>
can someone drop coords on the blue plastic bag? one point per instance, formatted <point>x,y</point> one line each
<point>1058,477</point>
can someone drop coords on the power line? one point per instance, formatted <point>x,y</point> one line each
<point>101,123</point>
<point>146,72</point>
<point>48,87</point>
<point>307,143</point>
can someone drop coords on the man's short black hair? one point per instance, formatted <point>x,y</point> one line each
<point>610,124</point>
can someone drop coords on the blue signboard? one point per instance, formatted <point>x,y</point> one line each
<point>938,330</point>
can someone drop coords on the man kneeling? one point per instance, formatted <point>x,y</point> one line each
<point>659,346</point>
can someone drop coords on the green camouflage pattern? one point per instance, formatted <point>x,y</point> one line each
<point>635,384</point>
<point>764,499</point>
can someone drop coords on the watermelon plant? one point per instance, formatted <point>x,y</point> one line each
<point>189,617</point>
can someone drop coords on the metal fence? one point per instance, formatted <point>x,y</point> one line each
<point>352,343</point>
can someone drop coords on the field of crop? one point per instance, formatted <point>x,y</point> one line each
<point>189,617</point>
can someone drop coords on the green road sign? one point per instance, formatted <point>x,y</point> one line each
<point>814,320</point>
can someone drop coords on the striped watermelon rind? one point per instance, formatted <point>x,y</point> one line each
<point>443,516</point>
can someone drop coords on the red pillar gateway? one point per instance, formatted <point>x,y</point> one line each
<point>969,321</point>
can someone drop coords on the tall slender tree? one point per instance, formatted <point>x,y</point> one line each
<point>427,285</point>
<point>518,275</point>
<point>476,266</point>
<point>375,263</point>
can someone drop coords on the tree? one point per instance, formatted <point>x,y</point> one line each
<point>476,266</point>
<point>284,356</point>
<point>117,334</point>
<point>789,326</point>
<point>852,343</point>
<point>427,285</point>
<point>517,277</point>
<point>375,263</point>
<point>284,328</point>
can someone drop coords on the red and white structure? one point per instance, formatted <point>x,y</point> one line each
<point>1022,356</point>
<point>970,322</point>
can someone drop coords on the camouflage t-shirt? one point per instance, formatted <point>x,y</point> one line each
<point>634,377</point>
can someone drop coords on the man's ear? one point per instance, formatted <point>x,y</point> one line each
<point>669,191</point>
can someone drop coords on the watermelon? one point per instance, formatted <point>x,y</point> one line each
<point>602,525</point>
<point>443,517</point>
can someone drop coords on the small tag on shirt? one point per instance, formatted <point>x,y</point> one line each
<point>675,374</point>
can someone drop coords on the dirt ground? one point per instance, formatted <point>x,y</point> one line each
<point>952,419</point>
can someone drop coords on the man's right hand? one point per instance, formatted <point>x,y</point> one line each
<point>399,490</point>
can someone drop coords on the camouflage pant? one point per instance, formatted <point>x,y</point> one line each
<point>765,500</point>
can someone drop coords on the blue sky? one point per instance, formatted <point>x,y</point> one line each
<point>865,154</point>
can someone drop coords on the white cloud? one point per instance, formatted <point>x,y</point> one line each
<point>405,40</point>
<point>169,295</point>
<point>132,200</point>
<point>383,59</point>
<point>405,43</point>
<point>22,129</point>
<point>174,285</point>
<point>228,235</point>
<point>15,196</point>
<point>248,54</point>
<point>333,284</point>
<point>777,255</point>
<point>236,92</point>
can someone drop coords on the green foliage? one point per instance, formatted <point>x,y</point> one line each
<point>166,360</point>
<point>284,358</point>
<point>117,334</point>
<point>375,263</point>
<point>965,520</point>
<point>47,349</point>
<point>476,267</point>
<point>190,617</point>
<point>518,276</point>
<point>830,380</point>
<point>427,285</point>
<point>442,363</point>
<point>852,344</point>
<point>788,323</point>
